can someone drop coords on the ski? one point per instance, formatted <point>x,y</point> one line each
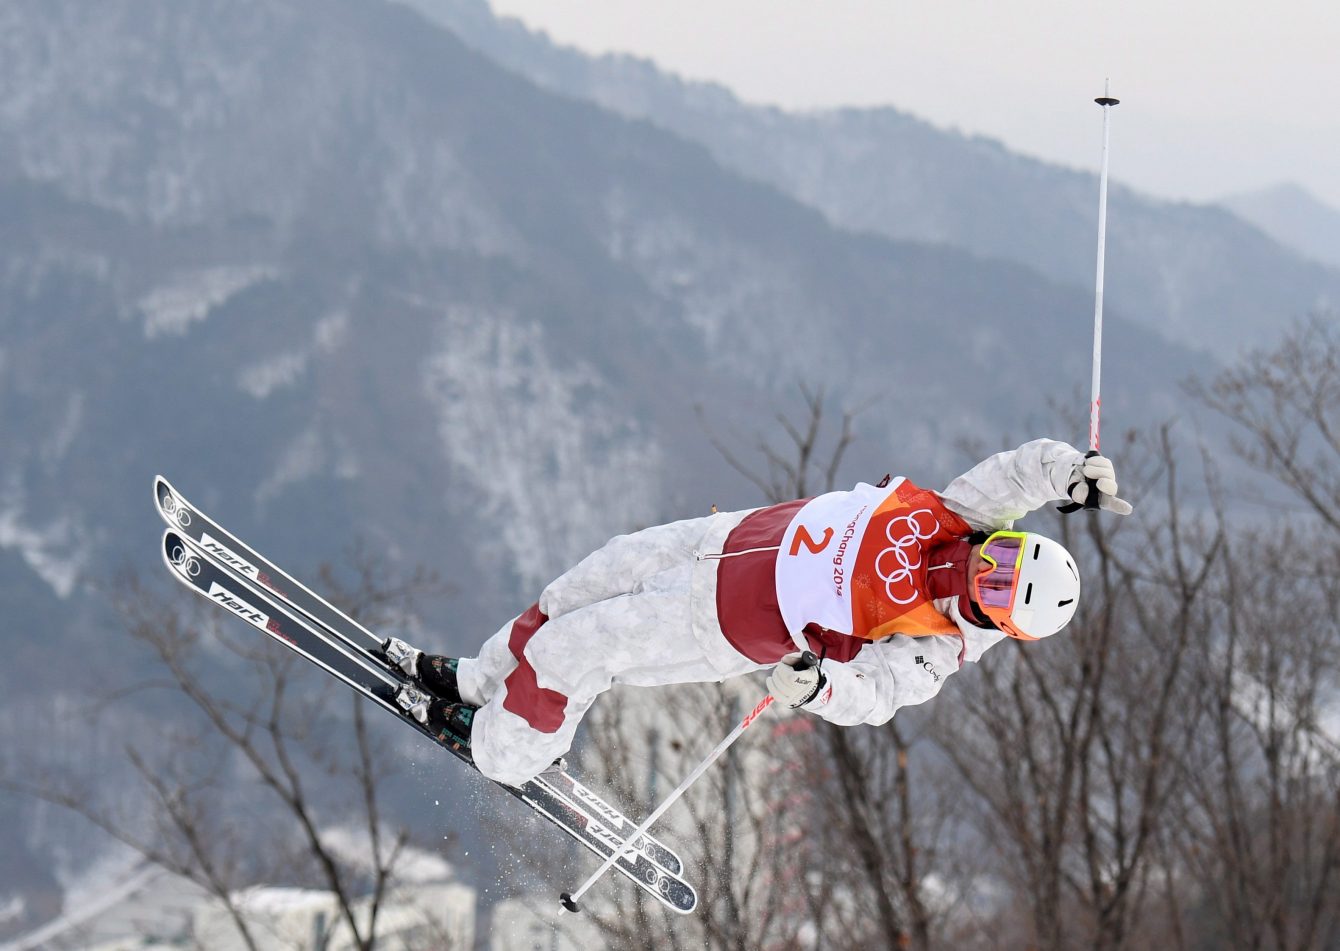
<point>260,607</point>
<point>242,559</point>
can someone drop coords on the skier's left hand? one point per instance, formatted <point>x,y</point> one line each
<point>1097,471</point>
<point>795,687</point>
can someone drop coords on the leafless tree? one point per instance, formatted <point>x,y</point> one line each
<point>1286,404</point>
<point>266,724</point>
<point>1261,832</point>
<point>803,461</point>
<point>1260,828</point>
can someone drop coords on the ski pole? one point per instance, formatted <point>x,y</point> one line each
<point>1095,400</point>
<point>569,901</point>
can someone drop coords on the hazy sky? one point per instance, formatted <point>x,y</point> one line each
<point>1217,97</point>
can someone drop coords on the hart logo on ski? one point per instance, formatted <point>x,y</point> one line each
<point>586,798</point>
<point>615,841</point>
<point>599,805</point>
<point>239,607</point>
<point>227,556</point>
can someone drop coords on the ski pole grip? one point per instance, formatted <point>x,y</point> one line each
<point>806,662</point>
<point>1091,500</point>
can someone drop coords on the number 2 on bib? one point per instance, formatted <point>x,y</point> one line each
<point>803,537</point>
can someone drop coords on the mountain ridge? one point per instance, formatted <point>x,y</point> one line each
<point>1195,272</point>
<point>1294,217</point>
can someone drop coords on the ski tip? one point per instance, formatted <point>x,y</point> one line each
<point>177,555</point>
<point>568,904</point>
<point>171,506</point>
<point>171,541</point>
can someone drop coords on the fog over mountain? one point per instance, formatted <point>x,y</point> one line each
<point>1194,272</point>
<point>340,276</point>
<point>1294,217</point>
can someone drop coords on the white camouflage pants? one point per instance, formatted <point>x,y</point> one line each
<point>641,610</point>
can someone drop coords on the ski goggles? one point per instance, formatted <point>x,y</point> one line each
<point>995,589</point>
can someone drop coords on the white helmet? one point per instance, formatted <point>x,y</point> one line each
<point>1032,589</point>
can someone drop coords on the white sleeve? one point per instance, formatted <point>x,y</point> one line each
<point>1009,485</point>
<point>898,671</point>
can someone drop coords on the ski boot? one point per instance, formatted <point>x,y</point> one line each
<point>434,672</point>
<point>448,722</point>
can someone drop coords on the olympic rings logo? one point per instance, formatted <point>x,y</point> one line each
<point>185,562</point>
<point>175,510</point>
<point>899,572</point>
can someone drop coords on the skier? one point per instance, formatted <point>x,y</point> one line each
<point>895,586</point>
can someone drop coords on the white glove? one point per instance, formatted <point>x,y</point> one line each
<point>793,687</point>
<point>1099,471</point>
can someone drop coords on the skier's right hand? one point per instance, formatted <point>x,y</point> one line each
<point>794,687</point>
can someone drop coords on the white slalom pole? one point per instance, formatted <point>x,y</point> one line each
<point>1095,402</point>
<point>569,901</point>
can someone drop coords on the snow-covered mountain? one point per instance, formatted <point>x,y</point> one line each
<point>229,219</point>
<point>1193,272</point>
<point>339,276</point>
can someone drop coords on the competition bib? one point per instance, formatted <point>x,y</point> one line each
<point>855,562</point>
